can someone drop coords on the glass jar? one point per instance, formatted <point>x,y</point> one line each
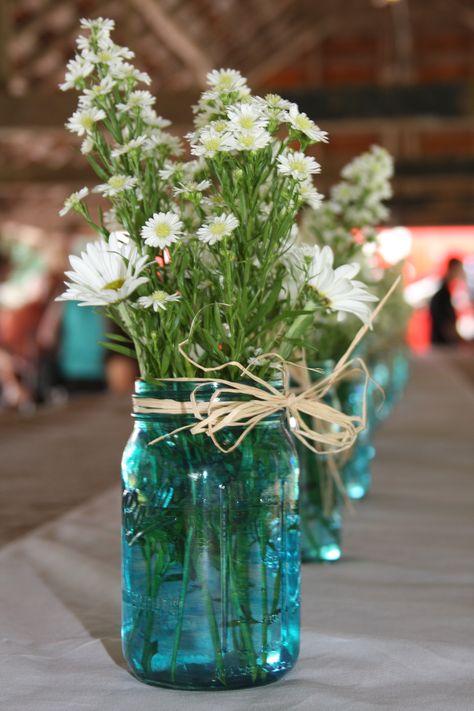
<point>356,471</point>
<point>211,551</point>
<point>320,500</point>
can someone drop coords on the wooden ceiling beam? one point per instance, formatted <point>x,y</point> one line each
<point>303,39</point>
<point>176,39</point>
<point>5,26</point>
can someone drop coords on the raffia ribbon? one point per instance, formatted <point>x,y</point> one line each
<point>338,430</point>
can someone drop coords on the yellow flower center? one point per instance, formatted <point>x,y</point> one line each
<point>212,144</point>
<point>162,230</point>
<point>217,228</point>
<point>303,123</point>
<point>246,122</point>
<point>115,285</point>
<point>87,122</point>
<point>116,181</point>
<point>297,165</point>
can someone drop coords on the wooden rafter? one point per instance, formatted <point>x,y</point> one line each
<point>302,39</point>
<point>4,37</point>
<point>176,39</point>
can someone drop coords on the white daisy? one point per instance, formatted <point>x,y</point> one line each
<point>210,142</point>
<point>303,124</point>
<point>126,73</point>
<point>217,228</point>
<point>162,229</point>
<point>310,195</point>
<point>128,147</point>
<point>298,165</point>
<point>151,118</point>
<point>246,117</point>
<point>157,300</point>
<point>250,140</point>
<point>77,70</point>
<point>87,145</point>
<point>337,288</point>
<point>115,185</point>
<point>226,80</point>
<point>190,186</point>
<point>98,91</point>
<point>137,100</point>
<point>83,121</point>
<point>73,201</point>
<point>109,53</point>
<point>105,273</point>
<point>98,25</point>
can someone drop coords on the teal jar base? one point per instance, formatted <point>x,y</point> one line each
<point>200,676</point>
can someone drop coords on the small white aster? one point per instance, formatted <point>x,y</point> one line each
<point>298,165</point>
<point>115,185</point>
<point>210,142</point>
<point>310,195</point>
<point>162,229</point>
<point>226,80</point>
<point>217,228</point>
<point>73,201</point>
<point>191,186</point>
<point>83,121</point>
<point>157,300</point>
<point>137,101</point>
<point>250,140</point>
<point>77,70</point>
<point>245,117</point>
<point>303,124</point>
<point>128,147</point>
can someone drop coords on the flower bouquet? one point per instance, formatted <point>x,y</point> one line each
<point>347,223</point>
<point>197,263</point>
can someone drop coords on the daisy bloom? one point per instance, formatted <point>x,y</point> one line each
<point>250,140</point>
<point>129,146</point>
<point>162,229</point>
<point>138,99</point>
<point>336,288</point>
<point>297,165</point>
<point>72,202</point>
<point>115,185</point>
<point>83,121</point>
<point>310,195</point>
<point>76,71</point>
<point>303,124</point>
<point>217,228</point>
<point>210,142</point>
<point>226,80</point>
<point>157,300</point>
<point>246,117</point>
<point>106,273</point>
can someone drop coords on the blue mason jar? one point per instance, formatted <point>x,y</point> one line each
<point>211,551</point>
<point>320,500</point>
<point>356,472</point>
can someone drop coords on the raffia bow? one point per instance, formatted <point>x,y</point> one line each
<point>337,432</point>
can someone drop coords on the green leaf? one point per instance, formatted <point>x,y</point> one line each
<point>119,349</point>
<point>118,337</point>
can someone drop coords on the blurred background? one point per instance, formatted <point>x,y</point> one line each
<point>399,73</point>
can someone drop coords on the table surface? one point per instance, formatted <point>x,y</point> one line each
<point>391,626</point>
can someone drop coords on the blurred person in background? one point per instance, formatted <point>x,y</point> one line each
<point>442,311</point>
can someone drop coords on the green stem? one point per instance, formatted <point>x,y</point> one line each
<point>213,628</point>
<point>244,626</point>
<point>182,599</point>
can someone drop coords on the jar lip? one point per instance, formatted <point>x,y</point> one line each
<point>181,390</point>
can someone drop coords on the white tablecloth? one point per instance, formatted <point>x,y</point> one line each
<point>390,627</point>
